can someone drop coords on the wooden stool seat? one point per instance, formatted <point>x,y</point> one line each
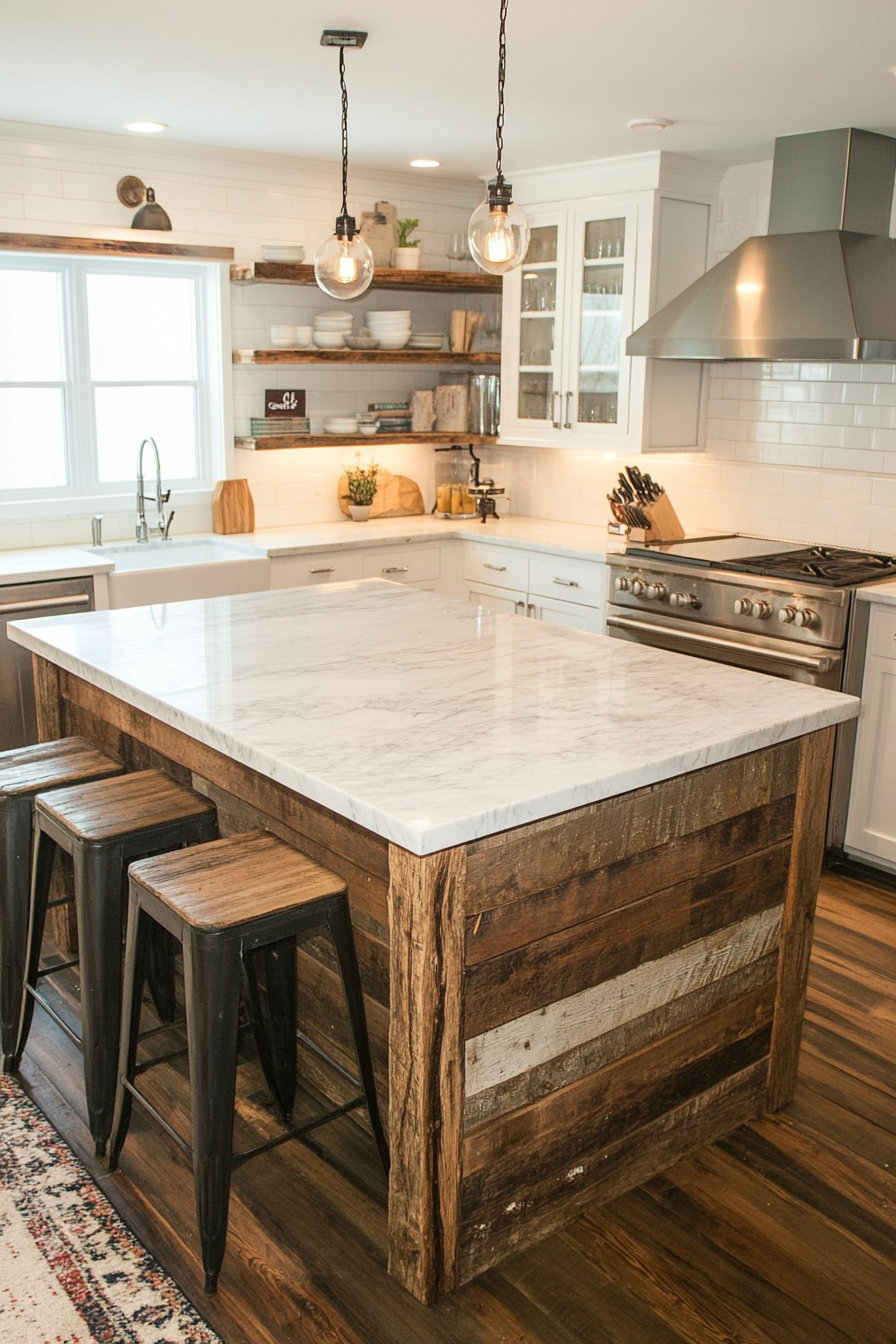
<point>236,905</point>
<point>103,825</point>
<point>25,772</point>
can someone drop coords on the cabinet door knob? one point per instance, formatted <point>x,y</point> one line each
<point>396,569</point>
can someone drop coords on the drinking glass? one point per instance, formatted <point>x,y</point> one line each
<point>458,249</point>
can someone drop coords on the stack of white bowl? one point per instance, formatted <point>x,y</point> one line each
<point>391,326</point>
<point>290,338</point>
<point>331,328</point>
<point>344,423</point>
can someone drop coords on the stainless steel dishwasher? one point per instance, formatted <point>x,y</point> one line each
<point>22,602</point>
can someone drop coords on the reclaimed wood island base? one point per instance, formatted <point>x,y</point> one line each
<point>558,1011</point>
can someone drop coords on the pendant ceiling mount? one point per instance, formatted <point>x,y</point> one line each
<point>343,265</point>
<point>499,230</point>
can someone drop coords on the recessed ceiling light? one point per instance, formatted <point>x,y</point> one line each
<point>424,163</point>
<point>145,127</point>
<point>650,124</point>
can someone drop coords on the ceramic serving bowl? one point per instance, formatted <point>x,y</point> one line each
<point>329,340</point>
<point>362,342</point>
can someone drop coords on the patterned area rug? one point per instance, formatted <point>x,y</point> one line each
<point>70,1271</point>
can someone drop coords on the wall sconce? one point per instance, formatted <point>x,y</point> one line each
<point>131,192</point>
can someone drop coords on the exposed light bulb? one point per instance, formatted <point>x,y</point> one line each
<point>343,266</point>
<point>499,231</point>
<point>347,268</point>
<point>499,240</point>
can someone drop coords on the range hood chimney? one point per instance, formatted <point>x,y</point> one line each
<point>821,285</point>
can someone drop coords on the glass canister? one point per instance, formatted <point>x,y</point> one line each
<point>452,478</point>
<point>485,403</point>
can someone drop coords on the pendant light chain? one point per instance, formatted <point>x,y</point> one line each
<point>502,71</point>
<point>344,130</point>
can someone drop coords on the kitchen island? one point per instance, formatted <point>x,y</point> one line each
<point>582,873</point>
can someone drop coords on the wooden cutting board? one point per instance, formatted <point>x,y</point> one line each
<point>233,509</point>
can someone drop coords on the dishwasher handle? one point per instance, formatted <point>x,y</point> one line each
<point>45,603</point>
<point>822,664</point>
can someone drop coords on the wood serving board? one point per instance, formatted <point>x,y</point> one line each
<point>233,509</point>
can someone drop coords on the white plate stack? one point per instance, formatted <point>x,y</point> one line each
<point>331,328</point>
<point>391,326</point>
<point>426,340</point>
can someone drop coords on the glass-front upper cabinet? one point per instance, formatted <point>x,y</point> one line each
<point>534,330</point>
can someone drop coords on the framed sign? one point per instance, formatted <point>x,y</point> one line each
<point>284,402</point>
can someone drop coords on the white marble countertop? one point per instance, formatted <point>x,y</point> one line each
<point>884,593</point>
<point>542,534</point>
<point>39,563</point>
<point>425,719</point>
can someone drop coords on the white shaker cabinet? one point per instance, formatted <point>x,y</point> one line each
<point>612,241</point>
<point>542,587</point>
<point>871,822</point>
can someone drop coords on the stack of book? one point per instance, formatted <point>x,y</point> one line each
<point>394,416</point>
<point>282,424</point>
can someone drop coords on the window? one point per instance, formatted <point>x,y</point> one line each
<point>97,355</point>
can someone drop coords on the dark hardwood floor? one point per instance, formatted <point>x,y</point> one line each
<point>782,1233</point>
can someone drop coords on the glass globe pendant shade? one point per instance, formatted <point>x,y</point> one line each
<point>343,265</point>
<point>498,232</point>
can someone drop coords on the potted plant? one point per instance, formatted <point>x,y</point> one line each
<point>406,256</point>
<point>361,486</point>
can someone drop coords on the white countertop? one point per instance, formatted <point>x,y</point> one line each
<point>573,539</point>
<point>884,593</point>
<point>425,719</point>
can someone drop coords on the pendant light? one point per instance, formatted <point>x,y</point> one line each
<point>343,266</point>
<point>499,230</point>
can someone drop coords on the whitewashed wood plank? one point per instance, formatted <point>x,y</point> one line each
<point>516,1046</point>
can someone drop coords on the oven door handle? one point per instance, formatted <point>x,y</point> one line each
<point>823,664</point>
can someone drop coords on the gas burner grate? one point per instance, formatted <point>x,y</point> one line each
<point>824,564</point>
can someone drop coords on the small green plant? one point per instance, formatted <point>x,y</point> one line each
<point>361,482</point>
<point>406,227</point>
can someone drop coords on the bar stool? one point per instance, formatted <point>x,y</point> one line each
<point>24,773</point>
<point>251,893</point>
<point>103,826</point>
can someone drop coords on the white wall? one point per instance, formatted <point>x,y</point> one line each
<point>58,181</point>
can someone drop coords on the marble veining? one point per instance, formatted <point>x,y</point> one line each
<point>423,718</point>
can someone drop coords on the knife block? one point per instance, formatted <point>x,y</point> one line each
<point>664,524</point>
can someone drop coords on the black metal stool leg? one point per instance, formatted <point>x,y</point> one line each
<point>340,925</point>
<point>41,874</point>
<point>15,874</point>
<point>136,957</point>
<point>273,1003</point>
<point>212,978</point>
<point>160,971</point>
<point>98,873</point>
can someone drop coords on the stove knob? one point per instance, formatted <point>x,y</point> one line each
<point>786,615</point>
<point>762,610</point>
<point>743,607</point>
<point>622,584</point>
<point>805,617</point>
<point>637,588</point>
<point>656,591</point>
<point>682,600</point>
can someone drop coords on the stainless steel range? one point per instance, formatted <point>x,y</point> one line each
<point>772,606</point>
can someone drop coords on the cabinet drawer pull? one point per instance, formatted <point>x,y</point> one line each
<point>567,424</point>
<point>555,420</point>
<point>519,608</point>
<point>32,604</point>
<point>331,569</point>
<point>396,569</point>
<point>499,569</point>
<point>530,609</point>
<point>567,583</point>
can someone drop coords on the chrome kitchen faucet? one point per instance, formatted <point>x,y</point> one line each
<point>143,530</point>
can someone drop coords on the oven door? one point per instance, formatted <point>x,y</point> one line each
<point>758,653</point>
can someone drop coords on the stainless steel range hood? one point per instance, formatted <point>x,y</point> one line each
<point>820,285</point>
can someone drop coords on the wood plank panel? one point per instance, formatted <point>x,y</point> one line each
<point>601,949</point>
<point>488,1234</point>
<point>600,1106</point>
<point>809,822</point>
<point>584,896</point>
<point>384,277</point>
<point>544,1079</point>
<point>538,857</point>
<point>466,359</point>
<point>109,247</point>
<point>426,1068</point>
<point>545,1034</point>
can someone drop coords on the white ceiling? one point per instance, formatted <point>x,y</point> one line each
<point>732,74</point>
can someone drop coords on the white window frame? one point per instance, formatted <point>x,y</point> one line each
<point>84,493</point>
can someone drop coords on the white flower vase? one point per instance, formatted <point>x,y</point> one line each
<point>360,512</point>
<point>406,258</point>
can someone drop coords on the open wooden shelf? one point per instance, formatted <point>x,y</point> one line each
<point>297,273</point>
<point>364,357</point>
<point>359,440</point>
<point>110,247</point>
